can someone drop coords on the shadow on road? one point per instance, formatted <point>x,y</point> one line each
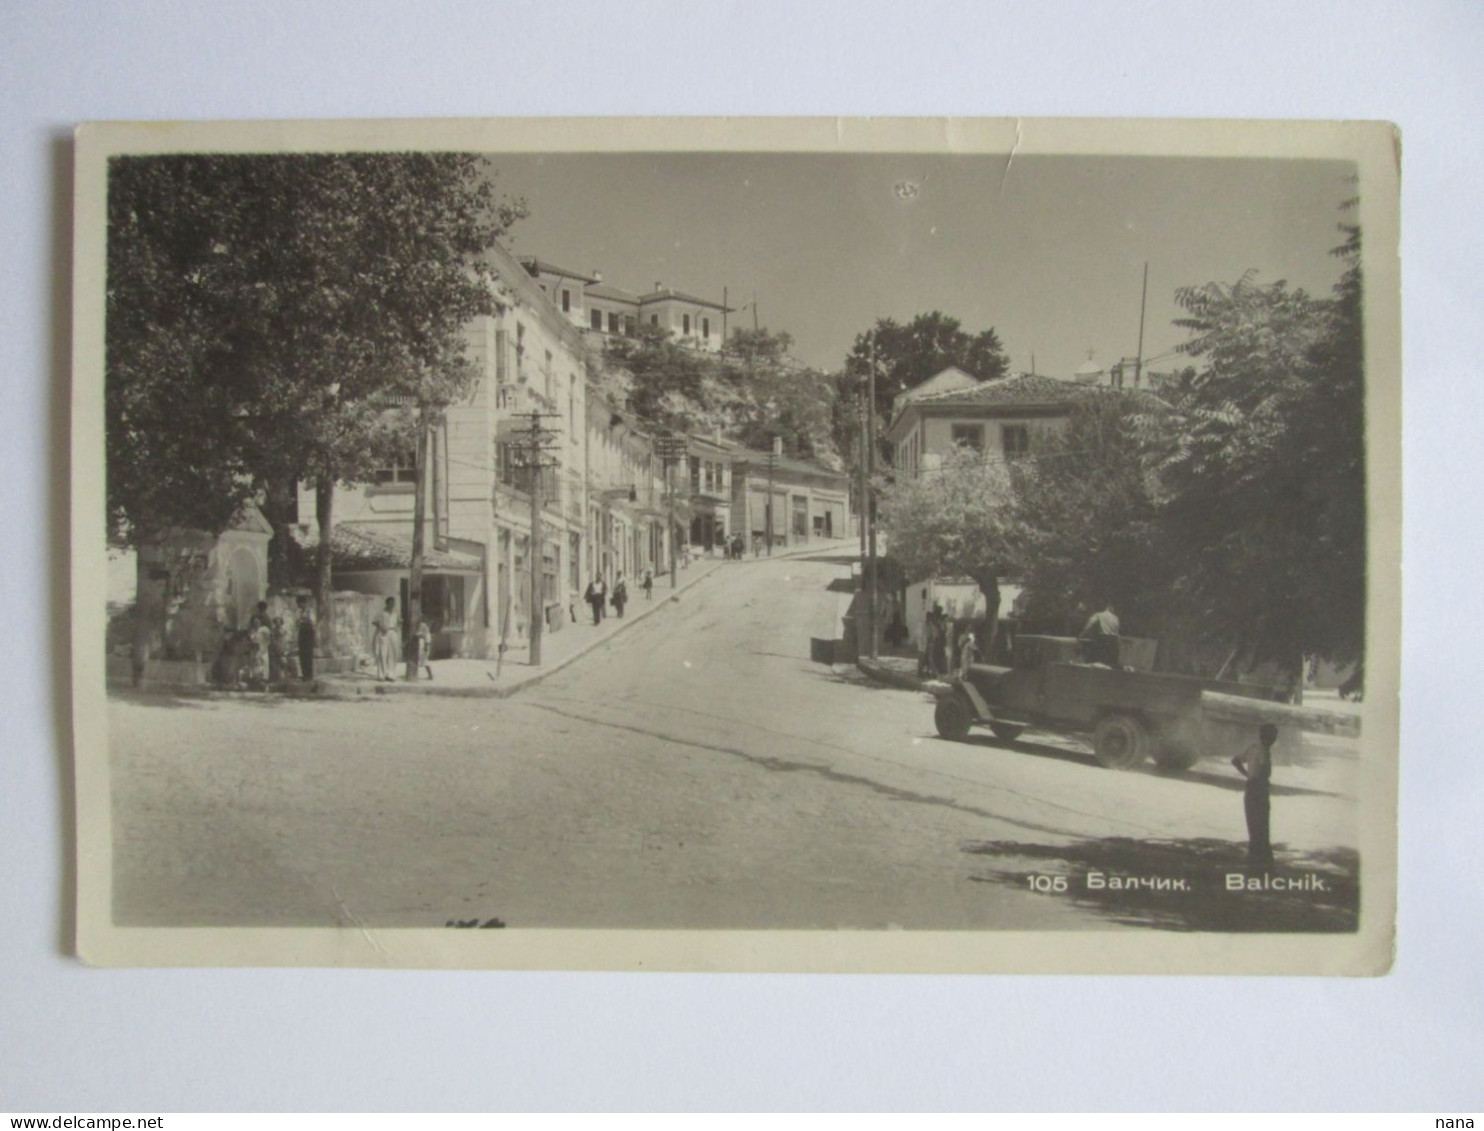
<point>1085,757</point>
<point>1328,899</point>
<point>827,559</point>
<point>206,697</point>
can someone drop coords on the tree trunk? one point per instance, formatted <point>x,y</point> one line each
<point>415,570</point>
<point>278,503</point>
<point>989,585</point>
<point>324,604</point>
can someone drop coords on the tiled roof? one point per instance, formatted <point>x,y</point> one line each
<point>356,546</point>
<point>759,462</point>
<point>1028,388</point>
<point>661,296</point>
<point>609,291</point>
<point>545,266</point>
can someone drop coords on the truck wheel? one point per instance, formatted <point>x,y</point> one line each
<point>1120,742</point>
<point>1006,732</point>
<point>951,717</point>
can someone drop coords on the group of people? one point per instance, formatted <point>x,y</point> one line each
<point>946,646</point>
<point>598,597</point>
<point>269,651</point>
<point>264,653</point>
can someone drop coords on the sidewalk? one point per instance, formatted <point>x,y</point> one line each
<point>898,671</point>
<point>462,678</point>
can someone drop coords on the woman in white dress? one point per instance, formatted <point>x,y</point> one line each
<point>384,642</point>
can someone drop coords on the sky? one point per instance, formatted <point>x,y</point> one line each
<point>1050,255</point>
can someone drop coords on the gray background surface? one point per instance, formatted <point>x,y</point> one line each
<point>73,1039</point>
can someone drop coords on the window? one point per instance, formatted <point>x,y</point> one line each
<point>969,436</point>
<point>705,327</point>
<point>628,325</point>
<point>596,319</point>
<point>685,323</point>
<point>1015,439</point>
<point>654,319</point>
<point>613,322</point>
<point>403,469</point>
<point>566,300</point>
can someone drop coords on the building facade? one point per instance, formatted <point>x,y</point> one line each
<point>999,419</point>
<point>604,311</point>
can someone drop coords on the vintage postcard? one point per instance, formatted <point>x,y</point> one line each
<point>802,545</point>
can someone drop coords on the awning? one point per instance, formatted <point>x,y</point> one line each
<point>357,547</point>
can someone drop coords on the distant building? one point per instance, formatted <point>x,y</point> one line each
<point>607,311</point>
<point>997,418</point>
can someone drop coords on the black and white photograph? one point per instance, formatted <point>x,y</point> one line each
<point>729,545</point>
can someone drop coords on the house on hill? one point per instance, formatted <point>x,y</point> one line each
<point>997,418</point>
<point>606,311</point>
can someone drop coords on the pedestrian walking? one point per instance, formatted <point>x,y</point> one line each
<point>620,595</point>
<point>384,641</point>
<point>304,627</point>
<point>595,597</point>
<point>648,585</point>
<point>1256,765</point>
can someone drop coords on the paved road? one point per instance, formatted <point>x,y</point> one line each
<point>696,771</point>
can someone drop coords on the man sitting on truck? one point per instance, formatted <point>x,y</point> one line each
<point>1099,638</point>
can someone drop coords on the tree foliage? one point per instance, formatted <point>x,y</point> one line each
<point>906,355</point>
<point>263,311</point>
<point>958,520</point>
<point>1086,527</point>
<point>1225,513</point>
<point>752,392</point>
<point>1261,463</point>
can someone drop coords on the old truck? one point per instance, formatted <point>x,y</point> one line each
<point>1132,713</point>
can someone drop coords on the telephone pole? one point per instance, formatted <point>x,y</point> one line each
<point>413,646</point>
<point>671,448</point>
<point>537,443</point>
<point>772,463</point>
<point>1143,303</point>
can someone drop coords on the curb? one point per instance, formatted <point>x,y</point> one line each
<point>883,674</point>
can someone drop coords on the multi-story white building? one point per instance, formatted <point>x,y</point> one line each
<point>600,497</point>
<point>605,311</point>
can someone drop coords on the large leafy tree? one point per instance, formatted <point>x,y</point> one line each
<point>1261,462</point>
<point>956,520</point>
<point>906,355</point>
<point>753,391</point>
<point>267,315</point>
<point>1087,526</point>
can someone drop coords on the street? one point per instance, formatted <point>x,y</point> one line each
<point>696,771</point>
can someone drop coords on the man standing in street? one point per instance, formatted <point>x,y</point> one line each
<point>1256,765</point>
<point>1100,636</point>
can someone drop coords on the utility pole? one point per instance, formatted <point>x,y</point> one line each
<point>672,449</point>
<point>413,645</point>
<point>860,503</point>
<point>538,441</point>
<point>772,462</point>
<point>1143,302</point>
<point>870,509</point>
